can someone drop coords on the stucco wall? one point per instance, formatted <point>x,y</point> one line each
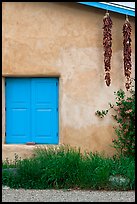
<point>65,40</point>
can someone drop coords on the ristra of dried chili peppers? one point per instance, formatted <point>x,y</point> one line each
<point>107,43</point>
<point>127,52</point>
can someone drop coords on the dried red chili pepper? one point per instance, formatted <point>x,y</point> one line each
<point>107,43</point>
<point>127,52</point>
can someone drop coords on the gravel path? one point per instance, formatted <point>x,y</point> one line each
<point>21,195</point>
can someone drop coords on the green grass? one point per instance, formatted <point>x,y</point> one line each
<point>65,167</point>
<point>10,163</point>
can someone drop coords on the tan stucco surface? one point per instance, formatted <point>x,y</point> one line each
<point>65,40</point>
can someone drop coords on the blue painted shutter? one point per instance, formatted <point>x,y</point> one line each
<point>44,111</point>
<point>32,110</point>
<point>17,110</point>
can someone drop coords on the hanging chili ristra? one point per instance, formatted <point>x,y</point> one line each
<point>127,52</point>
<point>107,43</point>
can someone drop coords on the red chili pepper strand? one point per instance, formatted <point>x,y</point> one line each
<point>127,52</point>
<point>107,43</point>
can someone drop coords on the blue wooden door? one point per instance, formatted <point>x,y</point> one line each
<point>44,110</point>
<point>32,110</point>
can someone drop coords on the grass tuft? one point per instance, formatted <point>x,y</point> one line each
<point>65,167</point>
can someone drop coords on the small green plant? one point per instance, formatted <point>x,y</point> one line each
<point>11,163</point>
<point>102,113</point>
<point>125,118</point>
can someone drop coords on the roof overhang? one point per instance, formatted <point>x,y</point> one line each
<point>112,6</point>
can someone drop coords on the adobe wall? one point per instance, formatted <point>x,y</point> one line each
<point>44,39</point>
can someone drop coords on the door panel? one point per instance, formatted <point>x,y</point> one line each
<point>17,110</point>
<point>44,110</point>
<point>32,110</point>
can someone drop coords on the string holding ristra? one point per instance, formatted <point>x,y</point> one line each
<point>127,18</point>
<point>107,13</point>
